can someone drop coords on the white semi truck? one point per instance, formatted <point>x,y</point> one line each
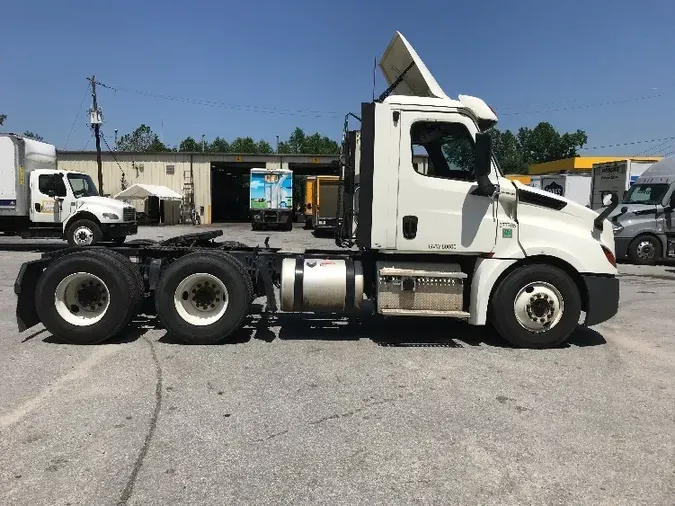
<point>38,200</point>
<point>458,241</point>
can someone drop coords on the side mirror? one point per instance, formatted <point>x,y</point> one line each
<point>607,200</point>
<point>599,220</point>
<point>483,165</point>
<point>671,203</point>
<point>483,155</point>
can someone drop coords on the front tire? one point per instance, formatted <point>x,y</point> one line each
<point>203,297</point>
<point>83,233</point>
<point>536,306</point>
<point>644,250</point>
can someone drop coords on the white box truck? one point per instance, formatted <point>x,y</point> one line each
<point>271,194</point>
<point>458,241</point>
<point>615,177</point>
<point>575,187</point>
<point>39,201</point>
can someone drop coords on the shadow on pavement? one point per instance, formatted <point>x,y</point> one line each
<point>391,332</point>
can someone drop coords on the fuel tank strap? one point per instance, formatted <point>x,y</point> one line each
<point>299,280</point>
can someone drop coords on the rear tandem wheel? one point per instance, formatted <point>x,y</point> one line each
<point>89,296</point>
<point>203,297</point>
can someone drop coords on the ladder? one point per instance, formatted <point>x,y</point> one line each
<point>188,204</point>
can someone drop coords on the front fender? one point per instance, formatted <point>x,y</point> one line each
<point>24,288</point>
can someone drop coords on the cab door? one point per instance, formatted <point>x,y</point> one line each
<point>439,208</point>
<point>48,192</point>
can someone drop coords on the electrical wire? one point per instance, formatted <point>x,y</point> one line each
<point>79,110</point>
<point>239,107</point>
<point>111,151</point>
<point>665,144</point>
<point>581,106</point>
<point>88,141</point>
<point>628,143</point>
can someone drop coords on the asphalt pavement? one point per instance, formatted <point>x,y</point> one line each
<point>314,411</point>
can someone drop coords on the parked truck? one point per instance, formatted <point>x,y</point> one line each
<point>271,192</point>
<point>309,200</point>
<point>325,210</point>
<point>39,201</point>
<point>645,221</point>
<point>615,177</point>
<point>459,241</point>
<point>575,187</point>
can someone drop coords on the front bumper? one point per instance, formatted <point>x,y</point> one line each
<point>271,216</point>
<point>119,229</point>
<point>603,298</point>
<point>621,246</point>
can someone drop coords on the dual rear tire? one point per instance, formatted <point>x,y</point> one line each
<point>89,297</point>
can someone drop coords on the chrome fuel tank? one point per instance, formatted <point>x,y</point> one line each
<point>321,284</point>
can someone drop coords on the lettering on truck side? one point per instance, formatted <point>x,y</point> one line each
<point>442,246</point>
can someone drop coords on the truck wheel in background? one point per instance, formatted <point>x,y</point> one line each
<point>203,297</point>
<point>644,250</point>
<point>88,297</point>
<point>83,233</point>
<point>536,306</point>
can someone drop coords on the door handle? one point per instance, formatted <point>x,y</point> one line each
<point>409,227</point>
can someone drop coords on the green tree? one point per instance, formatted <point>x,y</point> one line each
<point>246,145</point>
<point>143,139</point>
<point>264,148</point>
<point>315,144</point>
<point>219,145</point>
<point>33,135</point>
<point>189,145</point>
<point>3,117</point>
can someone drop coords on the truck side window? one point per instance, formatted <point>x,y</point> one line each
<point>450,149</point>
<point>45,184</point>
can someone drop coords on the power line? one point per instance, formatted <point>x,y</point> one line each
<point>111,152</point>
<point>88,141</point>
<point>581,106</point>
<point>240,107</point>
<point>659,145</point>
<point>630,143</point>
<point>79,110</point>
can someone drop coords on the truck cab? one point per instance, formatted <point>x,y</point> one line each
<point>644,221</point>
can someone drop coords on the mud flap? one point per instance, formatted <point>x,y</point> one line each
<point>24,288</point>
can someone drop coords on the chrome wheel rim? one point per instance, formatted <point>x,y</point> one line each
<point>538,306</point>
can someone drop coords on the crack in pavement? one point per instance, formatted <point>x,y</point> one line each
<point>129,488</point>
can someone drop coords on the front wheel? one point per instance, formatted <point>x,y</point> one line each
<point>536,306</point>
<point>644,250</point>
<point>83,233</point>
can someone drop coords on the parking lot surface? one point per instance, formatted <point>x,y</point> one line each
<point>315,411</point>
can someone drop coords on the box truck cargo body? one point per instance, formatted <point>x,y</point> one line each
<point>271,194</point>
<point>575,187</point>
<point>615,177</point>
<point>325,212</point>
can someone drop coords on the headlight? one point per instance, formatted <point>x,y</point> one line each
<point>111,216</point>
<point>617,228</point>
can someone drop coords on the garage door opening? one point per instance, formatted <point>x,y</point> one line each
<point>230,191</point>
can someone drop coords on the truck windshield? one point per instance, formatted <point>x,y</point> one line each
<point>82,185</point>
<point>650,194</point>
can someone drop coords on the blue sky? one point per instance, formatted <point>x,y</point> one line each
<point>302,63</point>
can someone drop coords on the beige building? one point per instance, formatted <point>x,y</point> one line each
<point>221,181</point>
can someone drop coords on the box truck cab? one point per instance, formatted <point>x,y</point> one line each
<point>644,220</point>
<point>38,200</point>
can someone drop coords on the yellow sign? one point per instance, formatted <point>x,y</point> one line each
<point>22,175</point>
<point>315,160</point>
<point>237,158</point>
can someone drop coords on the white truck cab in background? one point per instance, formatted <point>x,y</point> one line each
<point>39,201</point>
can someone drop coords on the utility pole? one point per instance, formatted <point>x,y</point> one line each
<point>95,120</point>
